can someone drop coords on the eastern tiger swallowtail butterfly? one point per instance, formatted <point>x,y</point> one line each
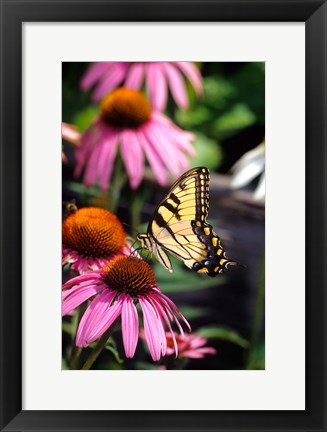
<point>179,226</point>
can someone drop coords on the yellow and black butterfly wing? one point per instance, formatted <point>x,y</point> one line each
<point>179,224</point>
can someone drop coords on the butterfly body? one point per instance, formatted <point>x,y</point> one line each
<point>179,226</point>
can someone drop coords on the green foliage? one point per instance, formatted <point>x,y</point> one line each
<point>208,154</point>
<point>223,333</point>
<point>238,117</point>
<point>232,101</point>
<point>256,360</point>
<point>84,192</point>
<point>194,312</point>
<point>85,117</point>
<point>182,279</point>
<point>68,328</point>
<point>64,365</point>
<point>142,365</point>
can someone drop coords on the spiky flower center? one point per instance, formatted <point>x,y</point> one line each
<point>93,232</point>
<point>125,108</point>
<point>179,340</point>
<point>129,275</point>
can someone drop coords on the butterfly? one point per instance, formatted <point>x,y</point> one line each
<point>179,226</point>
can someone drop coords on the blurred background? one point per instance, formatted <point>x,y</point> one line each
<point>229,124</point>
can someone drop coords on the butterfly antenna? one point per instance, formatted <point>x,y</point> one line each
<point>135,251</point>
<point>132,245</point>
<point>236,264</point>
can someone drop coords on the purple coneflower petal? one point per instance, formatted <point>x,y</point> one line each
<point>197,342</point>
<point>132,155</point>
<point>156,86</point>
<point>135,76</point>
<point>93,74</point>
<point>163,313</point>
<point>128,250</point>
<point>88,139</point>
<point>158,76</point>
<point>172,317</point>
<point>92,170</point>
<point>170,304</point>
<point>169,147</point>
<point>74,297</point>
<point>155,161</point>
<point>113,78</point>
<point>180,137</point>
<point>97,318</point>
<point>106,163</point>
<point>193,74</point>
<point>199,353</point>
<point>161,326</point>
<point>157,141</point>
<point>130,325</point>
<point>180,141</point>
<point>151,329</point>
<point>70,133</point>
<point>84,265</point>
<point>176,85</point>
<point>91,283</point>
<point>82,278</point>
<point>170,126</point>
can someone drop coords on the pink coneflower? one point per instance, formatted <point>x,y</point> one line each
<point>118,288</point>
<point>70,133</point>
<point>158,76</point>
<point>90,237</point>
<point>126,118</point>
<point>191,346</point>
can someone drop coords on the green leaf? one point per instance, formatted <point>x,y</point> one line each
<point>208,152</point>
<point>142,365</point>
<point>223,333</point>
<point>240,116</point>
<point>191,119</point>
<point>217,90</point>
<point>105,363</point>
<point>68,328</point>
<point>112,347</point>
<point>257,358</point>
<point>182,279</point>
<point>194,312</point>
<point>80,189</point>
<point>64,365</point>
<point>84,118</point>
<point>115,353</point>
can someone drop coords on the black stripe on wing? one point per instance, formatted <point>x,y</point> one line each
<point>192,186</point>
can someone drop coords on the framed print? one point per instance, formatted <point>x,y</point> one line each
<point>182,307</point>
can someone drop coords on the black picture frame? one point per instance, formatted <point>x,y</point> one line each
<point>13,14</point>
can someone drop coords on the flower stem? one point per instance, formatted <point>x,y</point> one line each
<point>258,312</point>
<point>118,181</point>
<point>76,351</point>
<point>136,209</point>
<point>98,348</point>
